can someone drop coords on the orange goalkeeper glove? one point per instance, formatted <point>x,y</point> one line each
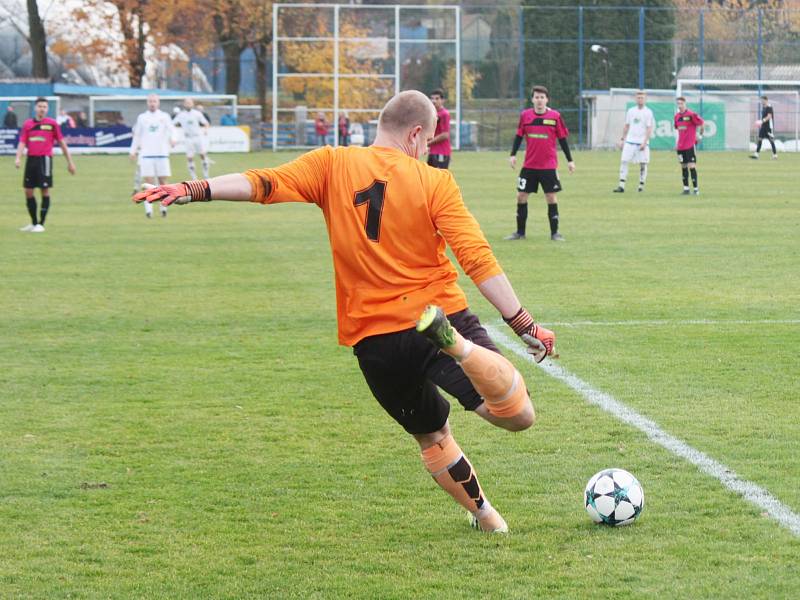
<point>175,193</point>
<point>540,341</point>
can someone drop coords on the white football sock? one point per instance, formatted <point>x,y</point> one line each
<point>623,173</point>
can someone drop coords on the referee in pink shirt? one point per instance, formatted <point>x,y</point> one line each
<point>39,135</point>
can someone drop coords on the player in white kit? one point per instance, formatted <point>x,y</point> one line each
<point>195,135</point>
<point>635,141</point>
<point>152,140</point>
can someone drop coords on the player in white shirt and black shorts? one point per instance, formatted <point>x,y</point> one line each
<point>195,135</point>
<point>152,140</point>
<point>635,141</point>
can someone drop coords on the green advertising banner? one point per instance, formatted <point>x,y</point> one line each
<point>664,134</point>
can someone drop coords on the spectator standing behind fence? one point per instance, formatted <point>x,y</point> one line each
<point>64,120</point>
<point>228,120</point>
<point>10,120</point>
<point>321,127</point>
<point>344,130</point>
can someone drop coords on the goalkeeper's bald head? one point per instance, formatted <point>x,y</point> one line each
<point>406,110</point>
<point>407,115</point>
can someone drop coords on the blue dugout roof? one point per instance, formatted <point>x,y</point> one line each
<point>25,88</point>
<point>68,89</point>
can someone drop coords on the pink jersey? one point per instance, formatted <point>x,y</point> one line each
<point>686,123</point>
<point>540,132</point>
<point>442,126</point>
<point>40,136</point>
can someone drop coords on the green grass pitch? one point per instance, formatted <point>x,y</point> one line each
<point>177,420</point>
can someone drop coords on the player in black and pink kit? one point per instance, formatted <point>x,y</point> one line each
<point>38,136</point>
<point>687,123</point>
<point>540,127</point>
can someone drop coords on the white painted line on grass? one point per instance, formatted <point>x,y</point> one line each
<point>670,322</point>
<point>751,492</point>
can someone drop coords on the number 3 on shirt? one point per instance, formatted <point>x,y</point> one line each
<point>373,196</point>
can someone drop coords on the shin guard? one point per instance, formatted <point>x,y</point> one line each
<point>453,472</point>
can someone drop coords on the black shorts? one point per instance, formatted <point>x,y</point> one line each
<point>529,180</point>
<point>765,133</point>
<point>440,161</point>
<point>687,156</point>
<point>403,370</point>
<point>38,172</point>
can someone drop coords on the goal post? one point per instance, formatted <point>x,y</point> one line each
<point>738,103</point>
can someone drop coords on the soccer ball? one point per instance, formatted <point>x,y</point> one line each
<point>758,122</point>
<point>614,497</point>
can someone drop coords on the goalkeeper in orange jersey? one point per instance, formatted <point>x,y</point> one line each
<point>389,219</point>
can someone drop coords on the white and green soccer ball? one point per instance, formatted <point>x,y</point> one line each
<point>614,497</point>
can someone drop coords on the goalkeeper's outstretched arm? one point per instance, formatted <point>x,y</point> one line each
<point>234,187</point>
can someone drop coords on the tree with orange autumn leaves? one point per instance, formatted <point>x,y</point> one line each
<point>731,27</point>
<point>125,28</point>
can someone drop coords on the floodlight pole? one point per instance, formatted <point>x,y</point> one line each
<point>521,57</point>
<point>702,50</point>
<point>641,47</point>
<point>274,77</point>
<point>580,76</point>
<point>335,75</point>
<point>397,49</point>
<point>458,77</point>
<point>760,47</point>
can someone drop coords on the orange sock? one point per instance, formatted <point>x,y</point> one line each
<point>495,379</point>
<point>453,472</point>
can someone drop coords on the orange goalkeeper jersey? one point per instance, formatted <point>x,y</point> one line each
<point>389,218</point>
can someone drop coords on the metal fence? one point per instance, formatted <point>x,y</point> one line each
<point>573,49</point>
